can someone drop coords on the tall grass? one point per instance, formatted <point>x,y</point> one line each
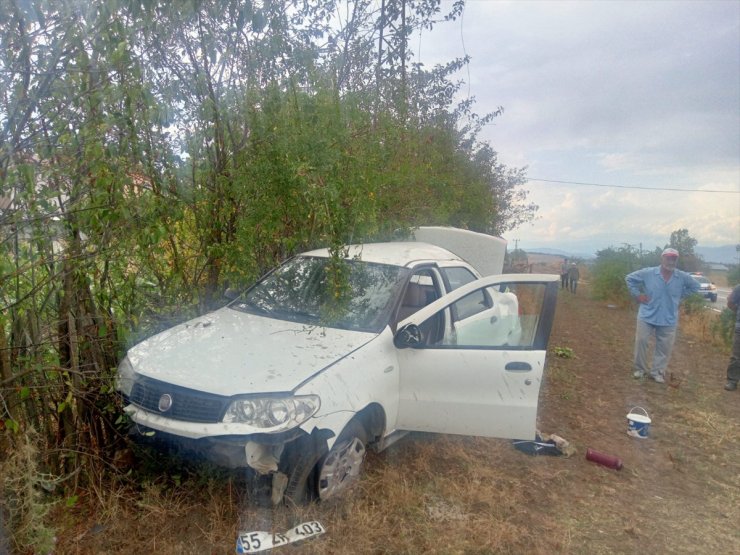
<point>24,499</point>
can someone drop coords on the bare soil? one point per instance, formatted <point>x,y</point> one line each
<point>678,491</point>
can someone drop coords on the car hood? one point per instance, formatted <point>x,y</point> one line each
<point>228,352</point>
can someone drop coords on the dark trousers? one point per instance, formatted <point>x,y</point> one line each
<point>563,281</point>
<point>733,370</point>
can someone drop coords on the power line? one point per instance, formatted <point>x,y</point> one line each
<point>633,186</point>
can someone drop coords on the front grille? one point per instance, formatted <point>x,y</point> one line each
<point>187,404</point>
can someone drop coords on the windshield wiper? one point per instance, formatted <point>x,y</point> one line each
<point>251,306</point>
<point>297,315</point>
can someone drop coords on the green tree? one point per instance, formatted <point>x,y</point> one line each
<point>688,260</point>
<point>609,270</point>
<point>153,152</point>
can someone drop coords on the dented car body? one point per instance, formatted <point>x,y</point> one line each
<point>296,387</point>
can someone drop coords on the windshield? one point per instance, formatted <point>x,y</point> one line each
<point>353,295</point>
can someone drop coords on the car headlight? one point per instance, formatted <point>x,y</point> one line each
<point>273,414</point>
<point>125,377</point>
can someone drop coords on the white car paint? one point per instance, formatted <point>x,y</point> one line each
<point>369,375</point>
<point>476,389</point>
<point>229,352</point>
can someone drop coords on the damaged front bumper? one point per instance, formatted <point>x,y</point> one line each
<point>225,444</point>
<point>272,457</point>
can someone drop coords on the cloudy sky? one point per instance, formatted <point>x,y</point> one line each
<point>626,94</point>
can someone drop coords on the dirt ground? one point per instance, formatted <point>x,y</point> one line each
<point>678,492</point>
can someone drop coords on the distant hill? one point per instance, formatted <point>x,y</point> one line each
<point>724,255</point>
<point>561,253</point>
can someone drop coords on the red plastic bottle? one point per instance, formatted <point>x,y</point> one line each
<point>604,459</point>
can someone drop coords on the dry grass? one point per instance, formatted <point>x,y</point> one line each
<point>698,326</point>
<point>24,499</point>
<point>677,493</point>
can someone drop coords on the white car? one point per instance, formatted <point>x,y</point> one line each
<point>707,289</point>
<point>296,387</point>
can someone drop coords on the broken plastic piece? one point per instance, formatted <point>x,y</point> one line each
<point>545,444</point>
<point>261,457</point>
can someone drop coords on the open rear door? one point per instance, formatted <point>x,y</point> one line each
<point>472,362</point>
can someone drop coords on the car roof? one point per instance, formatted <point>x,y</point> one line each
<point>400,253</point>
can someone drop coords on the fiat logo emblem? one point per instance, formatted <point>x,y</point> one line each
<point>165,402</point>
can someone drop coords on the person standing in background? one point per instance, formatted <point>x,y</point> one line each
<point>659,290</point>
<point>564,274</point>
<point>573,277</point>
<point>733,370</point>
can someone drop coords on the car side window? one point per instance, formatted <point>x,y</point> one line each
<point>472,304</point>
<point>504,316</point>
<point>458,276</point>
<point>422,289</point>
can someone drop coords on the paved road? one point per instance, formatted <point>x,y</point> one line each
<point>722,294</point>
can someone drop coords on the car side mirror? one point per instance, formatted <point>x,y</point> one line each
<point>408,336</point>
<point>231,294</point>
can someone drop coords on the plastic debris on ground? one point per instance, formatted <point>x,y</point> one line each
<point>545,444</point>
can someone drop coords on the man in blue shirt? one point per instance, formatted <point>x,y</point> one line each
<point>659,291</point>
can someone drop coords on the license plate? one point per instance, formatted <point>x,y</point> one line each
<point>254,542</point>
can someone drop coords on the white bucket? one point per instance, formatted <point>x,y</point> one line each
<point>638,424</point>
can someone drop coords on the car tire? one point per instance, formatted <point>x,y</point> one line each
<point>342,465</point>
<point>713,298</point>
<point>316,474</point>
<point>302,473</point>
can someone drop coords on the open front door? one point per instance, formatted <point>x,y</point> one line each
<point>472,362</point>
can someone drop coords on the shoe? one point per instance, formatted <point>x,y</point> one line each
<point>730,385</point>
<point>638,374</point>
<point>657,378</point>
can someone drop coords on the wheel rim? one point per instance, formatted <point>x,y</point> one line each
<point>341,467</point>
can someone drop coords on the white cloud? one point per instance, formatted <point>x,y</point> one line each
<point>642,94</point>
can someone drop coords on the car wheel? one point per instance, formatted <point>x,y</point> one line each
<point>714,298</point>
<point>302,474</point>
<point>343,463</point>
<point>315,474</point>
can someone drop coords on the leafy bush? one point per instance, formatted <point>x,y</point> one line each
<point>694,304</point>
<point>564,352</point>
<point>724,326</point>
<point>608,281</point>
<point>733,276</point>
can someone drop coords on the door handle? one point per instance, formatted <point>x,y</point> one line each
<point>518,367</point>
